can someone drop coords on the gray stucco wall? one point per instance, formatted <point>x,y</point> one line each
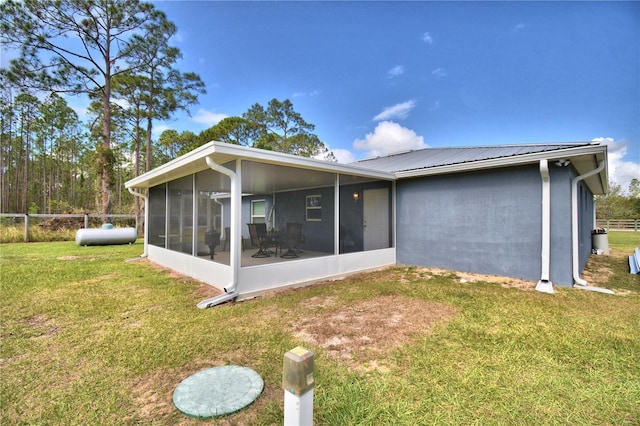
<point>585,223</point>
<point>485,222</point>
<point>318,235</point>
<point>561,253</point>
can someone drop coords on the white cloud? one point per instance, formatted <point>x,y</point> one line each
<point>122,103</point>
<point>344,156</point>
<point>208,118</point>
<point>387,138</point>
<point>439,72</point>
<point>396,71</point>
<point>518,27</point>
<point>305,94</point>
<point>621,172</point>
<point>400,111</point>
<point>158,129</point>
<point>426,37</point>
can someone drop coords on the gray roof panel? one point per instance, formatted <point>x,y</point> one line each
<point>436,157</point>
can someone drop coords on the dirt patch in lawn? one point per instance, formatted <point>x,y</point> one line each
<point>470,278</point>
<point>365,332</point>
<point>598,270</point>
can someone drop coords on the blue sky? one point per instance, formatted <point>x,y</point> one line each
<point>379,77</point>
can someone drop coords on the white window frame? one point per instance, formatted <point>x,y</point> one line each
<point>254,216</point>
<point>313,208</point>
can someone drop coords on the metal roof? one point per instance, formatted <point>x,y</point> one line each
<point>436,157</point>
<point>583,156</point>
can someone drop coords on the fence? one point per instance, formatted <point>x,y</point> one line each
<point>86,219</point>
<point>619,224</point>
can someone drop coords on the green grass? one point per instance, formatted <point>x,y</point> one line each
<point>88,338</point>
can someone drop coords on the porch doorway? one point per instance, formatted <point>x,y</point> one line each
<point>375,203</point>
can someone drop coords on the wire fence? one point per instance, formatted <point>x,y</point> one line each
<point>57,226</point>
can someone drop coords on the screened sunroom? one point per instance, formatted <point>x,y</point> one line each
<point>316,219</point>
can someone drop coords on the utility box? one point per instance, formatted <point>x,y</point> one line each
<point>297,371</point>
<point>600,241</point>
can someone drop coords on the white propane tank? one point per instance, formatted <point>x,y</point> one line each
<point>105,236</point>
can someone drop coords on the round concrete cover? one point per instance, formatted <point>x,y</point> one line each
<point>217,391</point>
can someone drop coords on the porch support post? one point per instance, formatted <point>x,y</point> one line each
<point>235,219</point>
<point>336,216</point>
<point>146,219</point>
<point>235,222</point>
<point>394,212</point>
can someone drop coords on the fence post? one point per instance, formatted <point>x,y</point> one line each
<point>26,228</point>
<point>86,220</point>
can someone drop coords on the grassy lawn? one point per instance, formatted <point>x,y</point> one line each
<point>89,338</point>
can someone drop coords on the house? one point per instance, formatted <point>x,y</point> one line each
<point>523,211</point>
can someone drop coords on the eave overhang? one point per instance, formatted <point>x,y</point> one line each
<point>223,153</point>
<point>582,159</point>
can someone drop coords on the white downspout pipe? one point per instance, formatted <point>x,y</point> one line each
<point>233,222</point>
<point>146,219</point>
<point>574,225</point>
<point>544,285</point>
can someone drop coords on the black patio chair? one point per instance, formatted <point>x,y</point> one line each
<point>259,238</point>
<point>212,239</point>
<point>293,240</point>
<point>227,239</point>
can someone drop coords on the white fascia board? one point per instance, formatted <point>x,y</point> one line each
<point>166,168</point>
<point>503,161</point>
<point>279,158</point>
<point>230,151</point>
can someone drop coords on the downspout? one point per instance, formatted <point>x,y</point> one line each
<point>579,282</point>
<point>146,221</point>
<point>233,261</point>
<point>544,285</point>
<point>230,290</point>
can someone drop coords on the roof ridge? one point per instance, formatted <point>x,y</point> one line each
<point>516,145</point>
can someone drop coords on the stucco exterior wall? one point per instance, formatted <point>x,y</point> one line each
<point>560,265</point>
<point>585,223</point>
<point>485,222</point>
<point>318,235</point>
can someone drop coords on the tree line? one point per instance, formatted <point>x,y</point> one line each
<point>118,54</point>
<point>620,205</point>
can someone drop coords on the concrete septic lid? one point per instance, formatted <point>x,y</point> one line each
<point>217,391</point>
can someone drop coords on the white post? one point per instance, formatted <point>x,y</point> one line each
<point>26,228</point>
<point>298,384</point>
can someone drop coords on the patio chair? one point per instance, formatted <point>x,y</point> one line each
<point>293,239</point>
<point>212,239</point>
<point>227,239</point>
<point>259,238</point>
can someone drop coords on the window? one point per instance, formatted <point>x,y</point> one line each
<point>314,208</point>
<point>258,208</point>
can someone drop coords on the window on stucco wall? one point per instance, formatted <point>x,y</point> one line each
<point>258,209</point>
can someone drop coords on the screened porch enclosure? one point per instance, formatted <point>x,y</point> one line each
<point>182,211</point>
